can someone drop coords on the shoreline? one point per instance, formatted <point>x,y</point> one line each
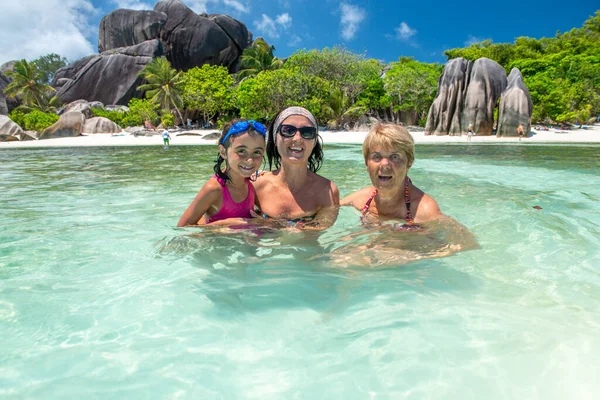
<point>195,137</point>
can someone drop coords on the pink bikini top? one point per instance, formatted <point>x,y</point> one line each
<point>231,209</point>
<point>409,218</point>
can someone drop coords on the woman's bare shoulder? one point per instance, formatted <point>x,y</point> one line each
<point>428,209</point>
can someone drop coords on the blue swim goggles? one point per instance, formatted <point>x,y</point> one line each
<point>243,126</point>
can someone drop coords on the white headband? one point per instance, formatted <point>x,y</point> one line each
<point>288,112</point>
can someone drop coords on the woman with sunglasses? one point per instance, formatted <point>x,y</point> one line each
<point>294,194</point>
<point>229,195</point>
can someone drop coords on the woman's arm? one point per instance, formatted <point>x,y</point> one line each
<point>328,213</point>
<point>209,195</point>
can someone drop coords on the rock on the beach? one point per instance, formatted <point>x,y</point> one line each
<point>515,107</point>
<point>9,130</point>
<point>124,28</point>
<point>110,77</point>
<point>486,83</point>
<point>70,124</point>
<point>83,106</point>
<point>444,117</point>
<point>100,125</point>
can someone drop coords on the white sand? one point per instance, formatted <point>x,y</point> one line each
<point>590,135</point>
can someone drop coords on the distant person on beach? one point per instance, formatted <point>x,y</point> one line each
<point>229,196</point>
<point>189,123</point>
<point>520,131</point>
<point>294,195</point>
<point>470,132</point>
<point>148,125</point>
<point>166,137</point>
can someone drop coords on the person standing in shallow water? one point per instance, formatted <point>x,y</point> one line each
<point>294,194</point>
<point>166,137</point>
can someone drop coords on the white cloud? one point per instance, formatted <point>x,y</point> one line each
<point>201,6</point>
<point>32,28</point>
<point>236,5</point>
<point>272,27</point>
<point>284,20</point>
<point>472,40</point>
<point>351,17</point>
<point>133,5</point>
<point>294,41</point>
<point>404,32</point>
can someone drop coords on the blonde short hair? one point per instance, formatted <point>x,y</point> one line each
<point>391,136</point>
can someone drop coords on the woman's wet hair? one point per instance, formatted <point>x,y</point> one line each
<point>218,168</point>
<point>389,136</point>
<point>315,160</point>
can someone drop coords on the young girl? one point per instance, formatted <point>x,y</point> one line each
<point>229,193</point>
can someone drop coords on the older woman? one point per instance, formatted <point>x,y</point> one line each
<point>388,151</point>
<point>294,194</point>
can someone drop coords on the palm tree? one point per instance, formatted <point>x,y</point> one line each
<point>163,85</point>
<point>28,87</point>
<point>258,57</point>
<point>338,106</point>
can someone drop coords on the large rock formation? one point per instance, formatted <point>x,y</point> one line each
<point>123,28</point>
<point>444,116</point>
<point>128,40</point>
<point>467,95</point>
<point>486,83</point>
<point>193,40</point>
<point>515,106</point>
<point>6,103</point>
<point>110,77</point>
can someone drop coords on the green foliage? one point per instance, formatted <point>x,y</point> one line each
<point>562,73</point>
<point>264,95</point>
<point>27,86</point>
<point>166,120</point>
<point>140,111</point>
<point>257,58</point>
<point>38,120</point>
<point>18,117</point>
<point>115,116</point>
<point>209,90</point>
<point>163,85</point>
<point>343,69</point>
<point>48,65</point>
<point>411,85</point>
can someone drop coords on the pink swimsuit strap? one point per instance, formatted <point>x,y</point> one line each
<point>409,218</point>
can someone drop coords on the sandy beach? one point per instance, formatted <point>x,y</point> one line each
<point>195,137</point>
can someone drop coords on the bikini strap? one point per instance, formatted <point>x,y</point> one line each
<point>368,203</point>
<point>409,218</point>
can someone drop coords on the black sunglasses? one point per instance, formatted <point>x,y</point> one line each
<point>289,131</point>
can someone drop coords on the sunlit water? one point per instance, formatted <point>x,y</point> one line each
<point>101,297</point>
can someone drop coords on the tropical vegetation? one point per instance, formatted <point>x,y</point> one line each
<point>562,74</point>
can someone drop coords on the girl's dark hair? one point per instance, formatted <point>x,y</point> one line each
<point>218,168</point>
<point>314,161</point>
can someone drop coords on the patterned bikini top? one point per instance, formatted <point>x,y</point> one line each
<point>409,218</point>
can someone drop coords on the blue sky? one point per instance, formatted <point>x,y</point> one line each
<point>381,29</point>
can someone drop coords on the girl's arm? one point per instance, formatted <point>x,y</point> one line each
<point>209,195</point>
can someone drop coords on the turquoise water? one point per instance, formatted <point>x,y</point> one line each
<point>101,297</point>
